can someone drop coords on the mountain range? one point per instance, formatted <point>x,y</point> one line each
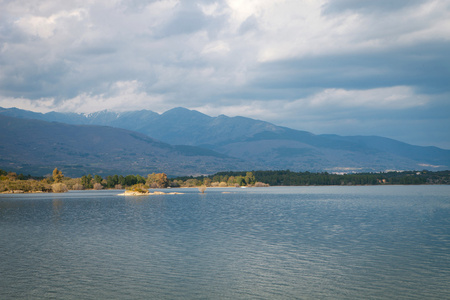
<point>217,143</point>
<point>36,147</point>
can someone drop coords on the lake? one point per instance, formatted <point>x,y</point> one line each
<point>358,242</point>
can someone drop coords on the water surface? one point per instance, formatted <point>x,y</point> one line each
<point>367,242</point>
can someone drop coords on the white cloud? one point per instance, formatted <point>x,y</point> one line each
<point>398,97</point>
<point>331,110</point>
<point>42,105</point>
<point>123,96</point>
<point>217,47</point>
<point>293,29</point>
<point>45,27</point>
<point>213,9</point>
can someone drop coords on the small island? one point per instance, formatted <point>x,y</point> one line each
<point>142,190</point>
<point>146,193</point>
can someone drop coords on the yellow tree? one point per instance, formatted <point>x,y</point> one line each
<point>57,175</point>
<point>159,180</point>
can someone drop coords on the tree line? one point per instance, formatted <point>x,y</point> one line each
<point>57,182</point>
<point>11,182</point>
<point>289,178</point>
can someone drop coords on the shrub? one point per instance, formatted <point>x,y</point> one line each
<point>59,188</point>
<point>176,183</point>
<point>3,187</point>
<point>140,188</point>
<point>98,186</point>
<point>77,187</point>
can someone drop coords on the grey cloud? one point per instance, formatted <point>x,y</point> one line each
<point>424,66</point>
<point>189,18</point>
<point>187,21</point>
<point>134,6</point>
<point>337,6</point>
<point>250,24</point>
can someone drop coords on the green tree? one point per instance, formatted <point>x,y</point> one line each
<point>86,181</point>
<point>98,179</point>
<point>140,179</point>
<point>240,180</point>
<point>250,178</point>
<point>112,181</point>
<point>121,180</point>
<point>130,180</point>
<point>231,181</point>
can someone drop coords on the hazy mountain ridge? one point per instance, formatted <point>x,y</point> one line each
<point>262,144</point>
<point>36,147</point>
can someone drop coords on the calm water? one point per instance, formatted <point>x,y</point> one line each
<point>370,242</point>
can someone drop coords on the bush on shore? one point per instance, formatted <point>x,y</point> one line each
<point>59,188</point>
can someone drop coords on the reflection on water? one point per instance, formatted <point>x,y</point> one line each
<point>267,243</point>
<point>57,206</point>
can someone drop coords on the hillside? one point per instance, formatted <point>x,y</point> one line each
<point>262,144</point>
<point>36,147</point>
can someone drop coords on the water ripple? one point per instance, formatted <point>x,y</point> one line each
<point>268,243</point>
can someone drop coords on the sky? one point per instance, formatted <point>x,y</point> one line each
<point>347,67</point>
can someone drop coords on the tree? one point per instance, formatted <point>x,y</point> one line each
<point>98,179</point>
<point>57,175</point>
<point>231,181</point>
<point>130,180</point>
<point>159,180</point>
<point>250,178</point>
<point>112,181</point>
<point>240,180</point>
<point>121,180</point>
<point>206,181</point>
<point>86,181</point>
<point>140,179</point>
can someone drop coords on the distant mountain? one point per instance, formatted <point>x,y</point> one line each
<point>36,147</point>
<point>262,144</point>
<point>178,126</point>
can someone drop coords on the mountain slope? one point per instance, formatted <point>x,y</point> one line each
<point>178,126</point>
<point>36,147</point>
<point>263,144</point>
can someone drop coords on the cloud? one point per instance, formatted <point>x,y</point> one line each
<point>338,6</point>
<point>393,98</point>
<point>328,101</point>
<point>122,96</point>
<point>45,27</point>
<point>216,47</point>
